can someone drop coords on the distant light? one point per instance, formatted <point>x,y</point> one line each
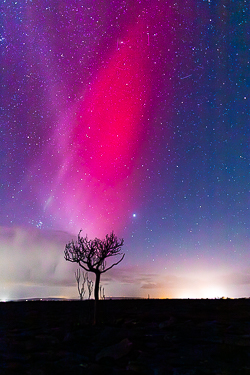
<point>205,292</point>
<point>134,215</point>
<point>4,299</point>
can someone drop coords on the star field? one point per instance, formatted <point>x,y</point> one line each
<point>132,117</point>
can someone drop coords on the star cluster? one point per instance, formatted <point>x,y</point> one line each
<point>133,117</point>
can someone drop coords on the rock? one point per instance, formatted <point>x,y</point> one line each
<point>47,339</point>
<point>36,372</point>
<point>239,340</point>
<point>151,345</point>
<point>75,336</point>
<point>245,371</point>
<point>115,351</point>
<point>72,359</point>
<point>95,369</point>
<point>167,323</point>
<point>139,368</point>
<point>108,335</point>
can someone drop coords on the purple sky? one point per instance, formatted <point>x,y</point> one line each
<point>133,117</point>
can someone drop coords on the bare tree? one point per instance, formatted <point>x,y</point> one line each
<point>102,294</point>
<point>90,286</point>
<point>91,255</point>
<point>81,288</point>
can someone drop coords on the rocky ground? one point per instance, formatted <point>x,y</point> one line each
<point>151,337</point>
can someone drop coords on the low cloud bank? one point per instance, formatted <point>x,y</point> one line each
<point>33,259</point>
<point>33,265</point>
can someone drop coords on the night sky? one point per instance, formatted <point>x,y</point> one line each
<point>130,116</point>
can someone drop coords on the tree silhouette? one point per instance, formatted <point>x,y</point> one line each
<point>90,286</point>
<point>91,255</point>
<point>81,287</point>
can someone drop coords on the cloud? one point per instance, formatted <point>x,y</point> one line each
<point>129,275</point>
<point>150,286</point>
<point>134,280</point>
<point>30,256</point>
<point>173,281</point>
<point>237,278</point>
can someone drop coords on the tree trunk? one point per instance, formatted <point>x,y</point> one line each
<point>97,283</point>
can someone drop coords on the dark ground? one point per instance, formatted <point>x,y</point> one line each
<point>154,337</point>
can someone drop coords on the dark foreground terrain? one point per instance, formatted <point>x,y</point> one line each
<point>175,337</point>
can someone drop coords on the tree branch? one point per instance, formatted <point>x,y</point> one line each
<point>113,264</point>
<point>86,269</point>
